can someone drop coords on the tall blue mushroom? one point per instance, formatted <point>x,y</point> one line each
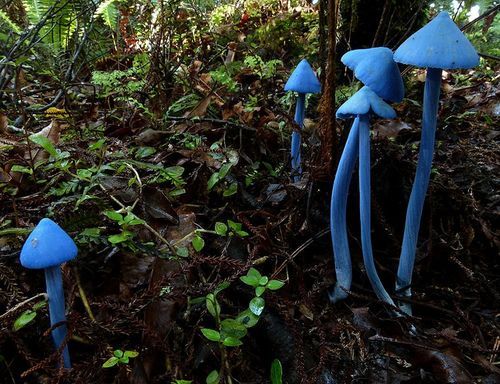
<point>376,68</point>
<point>438,45</point>
<point>302,80</point>
<point>360,106</point>
<point>47,247</point>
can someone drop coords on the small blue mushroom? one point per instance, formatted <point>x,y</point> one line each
<point>47,247</point>
<point>438,45</point>
<point>360,106</point>
<point>302,80</point>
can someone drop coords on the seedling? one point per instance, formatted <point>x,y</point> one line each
<point>229,331</point>
<point>119,357</point>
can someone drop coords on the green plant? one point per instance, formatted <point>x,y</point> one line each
<point>119,357</point>
<point>125,82</point>
<point>276,372</point>
<point>28,316</point>
<point>125,220</point>
<point>263,69</point>
<point>228,158</point>
<point>230,229</point>
<point>229,331</point>
<point>223,77</point>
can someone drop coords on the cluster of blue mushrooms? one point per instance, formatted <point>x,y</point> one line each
<point>438,45</point>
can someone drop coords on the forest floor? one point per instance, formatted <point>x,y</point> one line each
<point>126,290</point>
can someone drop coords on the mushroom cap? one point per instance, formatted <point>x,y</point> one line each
<point>376,68</point>
<point>47,246</point>
<point>363,102</point>
<point>303,79</point>
<point>439,44</point>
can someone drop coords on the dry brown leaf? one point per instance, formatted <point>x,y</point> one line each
<point>389,128</point>
<point>3,123</point>
<point>201,109</point>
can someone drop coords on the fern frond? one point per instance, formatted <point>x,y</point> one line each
<point>108,12</point>
<point>35,9</point>
<point>5,19</point>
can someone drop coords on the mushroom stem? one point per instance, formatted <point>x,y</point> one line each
<point>295,149</point>
<point>364,209</point>
<point>55,293</point>
<point>338,225</point>
<point>419,189</point>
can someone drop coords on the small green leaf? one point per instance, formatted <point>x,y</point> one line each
<point>143,152</point>
<point>232,328</point>
<point>274,285</point>
<point>211,334</point>
<point>132,219</point>
<point>120,238</point>
<point>254,273</point>
<point>224,170</point>
<point>257,305</point>
<point>97,145</point>
<point>247,318</point>
<point>212,305</point>
<point>213,378</point>
<point>26,317</point>
<point>118,353</point>
<point>231,190</point>
<point>198,243</point>
<point>220,228</point>
<point>131,354</point>
<point>231,342</point>
<point>276,372</point>
<point>250,280</point>
<point>221,287</point>
<point>263,280</point>
<point>115,216</point>
<point>214,179</point>
<point>234,226</point>
<point>182,251</point>
<point>39,305</point>
<point>21,169</point>
<point>259,291</point>
<point>45,143</point>
<point>111,362</point>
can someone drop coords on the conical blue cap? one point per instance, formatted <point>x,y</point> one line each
<point>363,102</point>
<point>47,246</point>
<point>376,68</point>
<point>303,79</point>
<point>439,44</point>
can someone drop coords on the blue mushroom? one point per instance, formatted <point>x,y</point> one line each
<point>360,106</point>
<point>47,247</point>
<point>376,68</point>
<point>438,45</point>
<point>303,81</point>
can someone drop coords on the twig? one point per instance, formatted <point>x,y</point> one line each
<point>15,231</point>
<point>295,253</point>
<point>23,303</point>
<point>209,120</point>
<point>83,296</point>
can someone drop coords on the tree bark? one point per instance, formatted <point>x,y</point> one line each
<point>327,126</point>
